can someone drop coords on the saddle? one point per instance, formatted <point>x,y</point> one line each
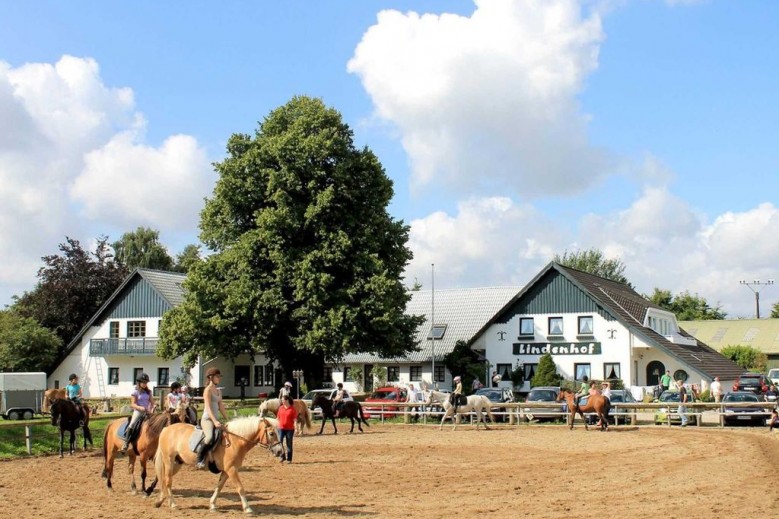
<point>457,400</point>
<point>125,432</point>
<point>197,437</point>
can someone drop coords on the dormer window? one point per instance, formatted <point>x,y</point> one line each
<point>437,332</point>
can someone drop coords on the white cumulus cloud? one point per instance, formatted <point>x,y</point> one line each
<point>73,162</point>
<point>491,99</point>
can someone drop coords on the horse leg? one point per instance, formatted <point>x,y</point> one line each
<point>62,442</point>
<point>143,471</point>
<point>335,429</point>
<point>219,484</point>
<point>324,419</point>
<point>581,413</point>
<point>232,473</point>
<point>131,470</point>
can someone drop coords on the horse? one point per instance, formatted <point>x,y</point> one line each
<point>474,404</point>
<point>239,436</point>
<point>304,413</point>
<point>597,404</point>
<point>351,410</point>
<point>143,447</point>
<point>66,415</point>
<point>49,396</point>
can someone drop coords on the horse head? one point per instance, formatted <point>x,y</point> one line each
<point>263,408</point>
<point>269,436</point>
<point>54,409</point>
<point>565,395</point>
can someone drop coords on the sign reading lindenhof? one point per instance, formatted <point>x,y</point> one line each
<point>563,348</point>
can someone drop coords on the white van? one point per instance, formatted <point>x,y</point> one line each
<point>773,376</point>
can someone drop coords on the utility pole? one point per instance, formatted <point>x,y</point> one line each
<point>432,320</point>
<point>760,285</point>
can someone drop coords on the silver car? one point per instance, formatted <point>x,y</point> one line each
<point>555,411</point>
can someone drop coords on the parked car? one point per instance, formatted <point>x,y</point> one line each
<point>616,415</point>
<point>498,395</point>
<point>662,414</point>
<point>773,376</point>
<point>384,395</point>
<point>309,397</point>
<point>744,415</point>
<point>754,382</point>
<point>555,411</point>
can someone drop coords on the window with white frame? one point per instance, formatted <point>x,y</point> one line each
<point>113,330</point>
<point>526,326</point>
<point>393,373</point>
<point>529,371</point>
<point>136,328</point>
<point>440,374</point>
<point>582,370</point>
<point>611,370</point>
<point>258,376</point>
<point>555,326</point>
<point>415,373</point>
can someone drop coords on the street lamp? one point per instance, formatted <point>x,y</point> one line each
<point>759,284</point>
<point>297,375</point>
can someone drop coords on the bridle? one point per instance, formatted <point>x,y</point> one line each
<point>265,445</point>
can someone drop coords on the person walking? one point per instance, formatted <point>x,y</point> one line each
<point>716,390</point>
<point>286,415</point>
<point>683,398</point>
<point>209,422</point>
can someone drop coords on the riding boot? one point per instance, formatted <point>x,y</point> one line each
<point>201,456</point>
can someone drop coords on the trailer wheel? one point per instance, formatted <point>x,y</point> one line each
<point>13,415</point>
<point>27,415</point>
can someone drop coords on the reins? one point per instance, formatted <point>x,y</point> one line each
<point>259,442</point>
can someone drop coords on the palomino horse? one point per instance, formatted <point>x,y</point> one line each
<point>240,435</point>
<point>49,396</point>
<point>304,413</point>
<point>351,410</point>
<point>67,416</point>
<point>597,404</point>
<point>143,447</point>
<point>475,404</point>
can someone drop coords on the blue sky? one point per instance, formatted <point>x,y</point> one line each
<point>512,130</point>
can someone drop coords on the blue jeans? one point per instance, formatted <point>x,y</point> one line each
<point>683,413</point>
<point>286,434</point>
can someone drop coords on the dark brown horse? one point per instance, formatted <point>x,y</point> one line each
<point>143,447</point>
<point>66,415</point>
<point>351,410</point>
<point>598,404</point>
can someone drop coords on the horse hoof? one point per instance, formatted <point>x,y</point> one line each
<point>157,504</point>
<point>249,511</point>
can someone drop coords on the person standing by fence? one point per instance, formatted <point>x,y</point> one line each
<point>286,416</point>
<point>665,380</point>
<point>716,390</point>
<point>683,393</point>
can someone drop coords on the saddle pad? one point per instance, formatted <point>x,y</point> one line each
<point>120,432</point>
<point>196,438</point>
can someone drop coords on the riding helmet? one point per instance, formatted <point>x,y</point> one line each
<point>288,383</point>
<point>143,377</point>
<point>175,385</point>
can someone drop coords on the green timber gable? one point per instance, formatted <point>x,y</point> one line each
<point>140,299</point>
<point>553,293</point>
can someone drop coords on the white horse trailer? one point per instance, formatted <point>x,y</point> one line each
<point>21,395</point>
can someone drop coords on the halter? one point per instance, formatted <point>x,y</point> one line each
<point>266,445</point>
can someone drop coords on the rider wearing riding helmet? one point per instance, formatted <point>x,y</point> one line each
<point>458,390</point>
<point>209,422</point>
<point>75,393</point>
<point>286,390</point>
<point>174,397</point>
<point>141,402</point>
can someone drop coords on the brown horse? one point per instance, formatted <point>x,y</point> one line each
<point>144,447</point>
<point>240,435</point>
<point>49,396</point>
<point>597,404</point>
<point>304,413</point>
<point>67,416</point>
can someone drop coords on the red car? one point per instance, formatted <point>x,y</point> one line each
<point>385,395</point>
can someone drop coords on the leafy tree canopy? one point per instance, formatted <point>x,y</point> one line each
<point>686,306</point>
<point>593,261</point>
<point>775,311</point>
<point>307,261</point>
<point>748,357</point>
<point>71,287</point>
<point>142,249</point>
<point>463,361</point>
<point>546,372</point>
<point>189,257</point>
<point>25,345</point>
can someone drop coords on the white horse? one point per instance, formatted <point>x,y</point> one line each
<point>304,413</point>
<point>476,404</point>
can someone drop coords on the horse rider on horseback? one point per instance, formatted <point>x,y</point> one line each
<point>286,390</point>
<point>341,397</point>
<point>175,397</point>
<point>209,422</point>
<point>74,393</point>
<point>458,390</point>
<point>141,402</point>
<point>583,390</point>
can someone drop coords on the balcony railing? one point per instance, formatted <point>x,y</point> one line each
<point>131,346</point>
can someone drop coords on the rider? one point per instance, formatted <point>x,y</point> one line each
<point>75,394</point>
<point>341,397</point>
<point>187,400</point>
<point>212,404</point>
<point>175,397</point>
<point>142,402</point>
<point>584,390</point>
<point>458,390</point>
<point>286,390</point>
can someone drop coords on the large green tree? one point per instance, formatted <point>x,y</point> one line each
<point>686,306</point>
<point>189,257</point>
<point>25,345</point>
<point>141,248</point>
<point>465,362</point>
<point>748,357</point>
<point>546,372</point>
<point>593,261</point>
<point>71,287</point>
<point>307,263</point>
<point>775,311</point>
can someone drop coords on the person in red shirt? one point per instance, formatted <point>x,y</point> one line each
<point>286,417</point>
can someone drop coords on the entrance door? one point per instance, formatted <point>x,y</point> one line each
<point>368,376</point>
<point>654,370</point>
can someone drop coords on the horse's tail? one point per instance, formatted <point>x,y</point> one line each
<point>159,470</point>
<point>362,415</point>
<point>488,405</point>
<point>307,418</point>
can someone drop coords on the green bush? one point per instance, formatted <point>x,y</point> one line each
<point>546,373</point>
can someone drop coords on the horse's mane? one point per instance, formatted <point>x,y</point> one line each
<point>247,425</point>
<point>157,423</point>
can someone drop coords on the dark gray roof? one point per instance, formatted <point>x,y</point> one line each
<point>464,311</point>
<point>168,284</point>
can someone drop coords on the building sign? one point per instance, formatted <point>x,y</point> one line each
<point>557,348</point>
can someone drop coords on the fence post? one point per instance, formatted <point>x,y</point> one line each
<point>28,438</point>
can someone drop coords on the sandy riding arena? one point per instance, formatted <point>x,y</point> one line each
<point>416,471</point>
